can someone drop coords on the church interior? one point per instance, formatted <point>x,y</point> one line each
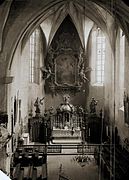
<point>64,89</point>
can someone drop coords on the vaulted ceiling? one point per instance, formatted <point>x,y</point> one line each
<point>19,18</point>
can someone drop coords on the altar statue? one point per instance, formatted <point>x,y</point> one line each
<point>37,104</point>
<point>66,106</point>
<point>93,105</point>
<point>66,98</point>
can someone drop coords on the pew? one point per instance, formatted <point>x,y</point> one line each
<point>21,175</point>
<point>34,174</point>
<point>35,158</point>
<point>29,164</point>
<point>16,172</point>
<point>30,173</point>
<point>16,158</point>
<point>44,171</point>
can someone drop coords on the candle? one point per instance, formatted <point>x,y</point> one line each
<point>89,131</point>
<point>107,130</point>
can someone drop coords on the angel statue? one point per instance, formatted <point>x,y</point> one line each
<point>37,104</point>
<point>81,57</point>
<point>83,72</point>
<point>46,72</point>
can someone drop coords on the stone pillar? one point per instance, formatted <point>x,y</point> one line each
<point>4,81</point>
<point>3,158</point>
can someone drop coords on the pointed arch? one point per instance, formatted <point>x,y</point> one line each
<point>43,38</point>
<point>56,25</point>
<point>77,18</point>
<point>37,15</point>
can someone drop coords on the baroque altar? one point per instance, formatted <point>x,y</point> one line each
<point>66,116</point>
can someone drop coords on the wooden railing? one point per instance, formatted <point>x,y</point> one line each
<point>41,149</point>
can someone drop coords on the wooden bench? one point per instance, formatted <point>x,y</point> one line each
<point>16,172</point>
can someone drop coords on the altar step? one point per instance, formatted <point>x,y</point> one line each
<point>66,136</point>
<point>66,141</point>
<point>66,133</point>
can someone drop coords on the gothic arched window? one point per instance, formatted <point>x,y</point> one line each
<point>100,57</point>
<point>35,56</point>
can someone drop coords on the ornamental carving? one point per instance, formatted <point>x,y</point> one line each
<point>64,70</point>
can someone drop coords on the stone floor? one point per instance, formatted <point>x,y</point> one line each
<point>68,167</point>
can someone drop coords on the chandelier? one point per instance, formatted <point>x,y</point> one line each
<point>84,160</point>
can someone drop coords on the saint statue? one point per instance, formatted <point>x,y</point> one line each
<point>93,105</point>
<point>66,99</point>
<point>37,104</point>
